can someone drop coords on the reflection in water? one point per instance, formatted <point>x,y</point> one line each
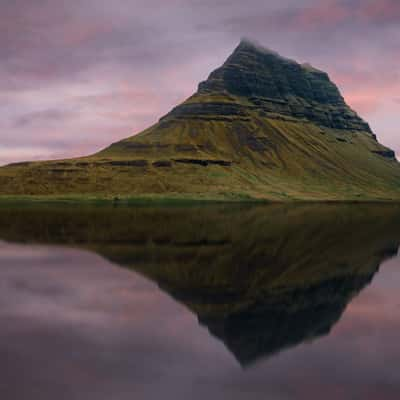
<point>260,278</point>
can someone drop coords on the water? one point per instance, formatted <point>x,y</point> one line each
<point>211,302</point>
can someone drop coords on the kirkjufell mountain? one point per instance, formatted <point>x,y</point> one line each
<point>260,127</point>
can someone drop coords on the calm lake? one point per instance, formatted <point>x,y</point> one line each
<point>200,302</point>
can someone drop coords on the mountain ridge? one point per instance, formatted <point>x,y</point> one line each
<point>260,127</point>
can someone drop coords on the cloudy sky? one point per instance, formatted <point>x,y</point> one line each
<point>76,75</point>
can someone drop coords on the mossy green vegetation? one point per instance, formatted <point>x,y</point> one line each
<point>260,128</point>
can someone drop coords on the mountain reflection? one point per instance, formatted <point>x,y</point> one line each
<point>260,278</point>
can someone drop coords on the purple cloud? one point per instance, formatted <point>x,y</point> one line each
<point>86,73</point>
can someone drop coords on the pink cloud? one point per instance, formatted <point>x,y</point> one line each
<point>380,10</point>
<point>329,13</point>
<point>365,86</point>
<point>82,32</point>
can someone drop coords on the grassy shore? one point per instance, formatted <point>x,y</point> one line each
<point>77,199</point>
<point>145,199</point>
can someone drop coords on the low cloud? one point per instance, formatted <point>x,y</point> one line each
<point>52,115</point>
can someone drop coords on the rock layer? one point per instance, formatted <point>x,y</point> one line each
<point>275,84</point>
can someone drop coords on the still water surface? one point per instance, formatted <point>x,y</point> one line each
<point>216,302</point>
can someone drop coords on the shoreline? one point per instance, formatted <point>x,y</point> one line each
<point>166,200</point>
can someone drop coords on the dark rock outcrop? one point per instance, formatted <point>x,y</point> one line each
<point>386,153</point>
<point>128,163</point>
<point>162,164</point>
<point>272,84</point>
<point>202,162</point>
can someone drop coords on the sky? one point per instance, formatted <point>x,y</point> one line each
<point>77,75</point>
<point>76,326</point>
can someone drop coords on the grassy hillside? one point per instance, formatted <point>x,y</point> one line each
<point>261,127</point>
<point>303,162</point>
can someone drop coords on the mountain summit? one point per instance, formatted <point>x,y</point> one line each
<point>283,86</point>
<point>260,127</point>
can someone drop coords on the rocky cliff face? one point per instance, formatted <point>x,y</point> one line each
<point>274,86</point>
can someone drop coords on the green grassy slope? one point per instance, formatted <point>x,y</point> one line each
<point>233,143</point>
<point>305,162</point>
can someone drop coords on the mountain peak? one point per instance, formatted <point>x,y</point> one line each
<point>252,46</point>
<point>253,69</point>
<point>282,86</point>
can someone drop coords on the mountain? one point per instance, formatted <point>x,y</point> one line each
<point>260,127</point>
<point>261,278</point>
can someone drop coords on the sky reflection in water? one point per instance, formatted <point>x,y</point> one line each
<point>77,326</point>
